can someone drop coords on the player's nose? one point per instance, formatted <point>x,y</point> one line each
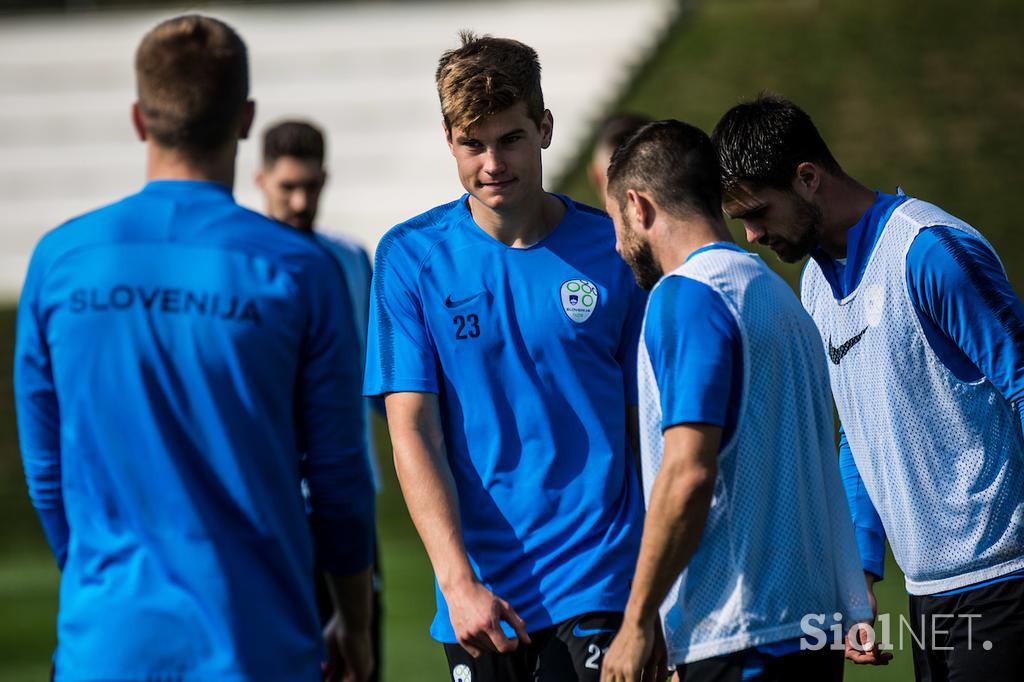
<point>298,201</point>
<point>753,232</point>
<point>494,163</point>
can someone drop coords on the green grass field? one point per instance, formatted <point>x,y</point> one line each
<point>923,95</point>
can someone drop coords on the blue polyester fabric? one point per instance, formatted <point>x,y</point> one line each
<point>694,343</point>
<point>181,364</point>
<point>970,316</point>
<point>532,353</point>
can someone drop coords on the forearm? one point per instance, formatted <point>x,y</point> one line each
<point>353,598</point>
<point>867,526</point>
<point>343,510</point>
<point>675,520</point>
<point>429,489</point>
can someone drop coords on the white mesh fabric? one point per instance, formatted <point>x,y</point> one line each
<point>778,543</point>
<point>941,459</point>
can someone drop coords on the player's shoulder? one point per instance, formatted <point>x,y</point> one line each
<point>254,233</point>
<point>595,219</point>
<point>678,293</point>
<point>341,243</point>
<point>416,237</point>
<point>681,304</point>
<point>98,225</point>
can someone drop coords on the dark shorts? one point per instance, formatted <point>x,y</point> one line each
<point>824,665</point>
<point>973,635</point>
<point>565,652</point>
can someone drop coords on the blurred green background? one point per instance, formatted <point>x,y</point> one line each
<point>926,96</point>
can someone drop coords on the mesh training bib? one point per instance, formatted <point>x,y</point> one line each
<point>941,459</point>
<point>778,543</point>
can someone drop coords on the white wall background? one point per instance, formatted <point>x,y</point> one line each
<point>363,72</point>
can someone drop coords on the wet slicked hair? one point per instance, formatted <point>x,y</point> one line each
<point>192,81</point>
<point>485,76</point>
<point>675,162</point>
<point>298,139</point>
<point>763,141</point>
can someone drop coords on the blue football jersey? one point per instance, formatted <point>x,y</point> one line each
<point>532,353</point>
<point>181,364</point>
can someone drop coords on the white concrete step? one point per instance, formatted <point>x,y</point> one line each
<point>364,72</point>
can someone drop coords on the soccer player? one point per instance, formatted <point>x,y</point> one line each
<point>925,338</point>
<point>180,366</point>
<point>746,529</point>
<point>503,333</point>
<point>291,177</point>
<point>613,131</point>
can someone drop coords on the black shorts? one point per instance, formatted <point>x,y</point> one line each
<point>565,652</point>
<point>823,665</point>
<point>973,635</point>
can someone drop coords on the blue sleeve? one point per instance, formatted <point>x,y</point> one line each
<point>399,353</point>
<point>39,416</point>
<point>867,526</point>
<point>630,341</point>
<point>956,281</point>
<point>693,341</point>
<point>332,428</point>
<point>376,402</point>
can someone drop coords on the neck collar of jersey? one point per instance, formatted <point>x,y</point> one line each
<point>470,222</point>
<point>186,189</point>
<point>731,246</point>
<point>860,244</point>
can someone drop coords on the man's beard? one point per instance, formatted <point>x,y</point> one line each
<point>809,220</point>
<point>643,264</point>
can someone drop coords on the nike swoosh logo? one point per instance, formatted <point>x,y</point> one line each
<point>837,354</point>
<point>577,631</point>
<point>454,304</point>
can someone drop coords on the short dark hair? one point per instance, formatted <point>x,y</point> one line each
<point>617,128</point>
<point>192,81</point>
<point>486,76</point>
<point>299,139</point>
<point>763,141</point>
<point>675,162</point>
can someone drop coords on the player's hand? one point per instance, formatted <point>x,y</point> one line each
<point>858,648</point>
<point>476,614</point>
<point>657,663</point>
<point>869,582</point>
<point>349,653</point>
<point>862,649</point>
<point>632,647</point>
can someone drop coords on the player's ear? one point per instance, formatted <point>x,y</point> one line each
<point>248,115</point>
<point>260,177</point>
<point>807,180</point>
<point>137,124</point>
<point>643,210</point>
<point>547,128</point>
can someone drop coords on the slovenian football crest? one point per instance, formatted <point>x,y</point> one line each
<point>579,299</point>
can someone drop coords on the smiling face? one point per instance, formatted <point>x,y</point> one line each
<point>499,158</point>
<point>783,221</point>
